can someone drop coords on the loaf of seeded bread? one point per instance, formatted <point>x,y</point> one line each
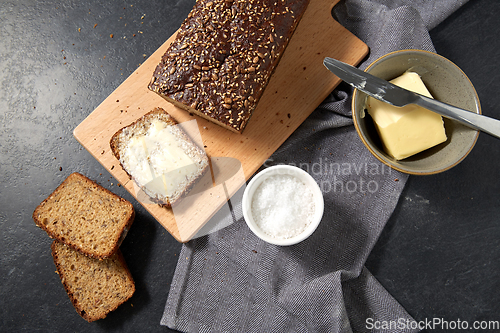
<point>224,55</point>
<point>95,287</point>
<point>160,157</point>
<point>85,216</point>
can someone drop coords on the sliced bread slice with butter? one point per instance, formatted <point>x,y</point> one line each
<point>160,157</point>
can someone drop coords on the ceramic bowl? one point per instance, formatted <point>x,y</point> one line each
<point>447,83</point>
<point>263,176</point>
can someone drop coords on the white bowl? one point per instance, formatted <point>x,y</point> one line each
<point>261,177</point>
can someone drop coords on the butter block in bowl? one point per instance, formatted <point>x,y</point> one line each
<point>406,131</point>
<point>423,153</point>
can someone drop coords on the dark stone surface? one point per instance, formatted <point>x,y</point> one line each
<point>439,254</point>
<point>58,63</point>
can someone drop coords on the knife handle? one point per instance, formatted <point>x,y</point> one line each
<point>470,119</point>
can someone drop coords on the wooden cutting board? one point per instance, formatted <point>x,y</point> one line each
<point>299,84</point>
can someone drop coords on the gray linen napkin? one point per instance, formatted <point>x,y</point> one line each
<point>232,281</point>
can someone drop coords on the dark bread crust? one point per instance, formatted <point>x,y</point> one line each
<point>143,123</point>
<point>65,237</point>
<point>76,300</point>
<point>224,55</point>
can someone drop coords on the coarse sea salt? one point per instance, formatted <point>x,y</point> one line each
<point>282,206</point>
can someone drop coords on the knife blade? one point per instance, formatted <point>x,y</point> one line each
<point>399,97</point>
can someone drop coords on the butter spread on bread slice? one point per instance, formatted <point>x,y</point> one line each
<point>159,156</point>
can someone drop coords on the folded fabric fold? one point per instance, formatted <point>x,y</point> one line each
<point>232,281</point>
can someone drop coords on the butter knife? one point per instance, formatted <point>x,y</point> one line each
<point>397,96</point>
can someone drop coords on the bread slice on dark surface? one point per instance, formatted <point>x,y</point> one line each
<point>95,287</point>
<point>224,55</point>
<point>85,216</point>
<point>160,157</point>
